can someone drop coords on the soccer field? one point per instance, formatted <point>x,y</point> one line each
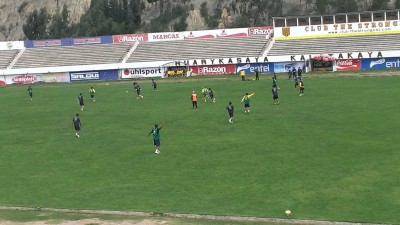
<point>332,154</point>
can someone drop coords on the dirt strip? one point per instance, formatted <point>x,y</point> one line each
<point>185,216</point>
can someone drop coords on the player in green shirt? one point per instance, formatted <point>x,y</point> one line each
<point>30,92</point>
<point>156,137</point>
<point>92,92</point>
<point>246,100</point>
<point>204,90</point>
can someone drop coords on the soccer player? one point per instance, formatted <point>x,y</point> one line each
<point>299,72</point>
<point>156,137</point>
<point>204,90</point>
<point>274,80</point>
<point>243,75</point>
<point>138,89</point>
<point>80,101</point>
<point>154,84</point>
<point>76,121</point>
<point>211,94</point>
<point>296,81</point>
<point>230,110</point>
<point>246,99</point>
<point>301,85</point>
<point>294,72</point>
<point>289,75</point>
<point>194,100</point>
<point>30,92</point>
<point>257,74</point>
<point>91,92</point>
<point>275,94</point>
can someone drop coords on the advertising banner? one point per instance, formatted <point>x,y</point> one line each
<point>84,76</point>
<point>176,71</point>
<point>253,31</point>
<point>106,39</point>
<point>8,45</point>
<point>166,36</point>
<point>211,70</point>
<point>284,67</point>
<point>129,38</point>
<point>21,79</point>
<point>94,75</point>
<point>237,32</point>
<point>142,72</point>
<point>383,63</point>
<point>55,77</point>
<point>252,67</point>
<point>348,64</point>
<point>86,41</point>
<point>2,81</point>
<point>46,43</point>
<point>347,29</point>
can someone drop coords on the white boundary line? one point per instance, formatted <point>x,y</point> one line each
<point>185,216</point>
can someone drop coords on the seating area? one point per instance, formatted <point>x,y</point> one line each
<point>228,47</point>
<point>6,56</point>
<point>335,45</point>
<point>72,55</point>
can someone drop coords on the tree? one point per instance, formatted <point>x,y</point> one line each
<point>321,6</point>
<point>379,5</point>
<point>59,26</point>
<point>344,6</point>
<point>36,25</point>
<point>226,20</point>
<point>195,21</point>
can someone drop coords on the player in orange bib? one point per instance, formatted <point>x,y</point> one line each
<point>194,100</point>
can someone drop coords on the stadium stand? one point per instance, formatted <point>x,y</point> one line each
<point>228,47</point>
<point>6,57</point>
<point>335,45</point>
<point>72,55</point>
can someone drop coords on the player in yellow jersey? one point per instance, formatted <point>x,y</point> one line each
<point>204,91</point>
<point>246,100</point>
<point>92,92</point>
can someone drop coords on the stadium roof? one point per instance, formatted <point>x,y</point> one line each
<point>336,14</point>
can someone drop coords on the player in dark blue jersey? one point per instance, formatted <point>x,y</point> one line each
<point>230,110</point>
<point>275,95</point>
<point>30,92</point>
<point>80,101</point>
<point>76,122</point>
<point>154,84</point>
<point>211,95</point>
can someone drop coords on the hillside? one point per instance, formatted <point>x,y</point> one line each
<point>14,13</point>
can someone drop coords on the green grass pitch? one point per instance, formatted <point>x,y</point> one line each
<point>332,154</point>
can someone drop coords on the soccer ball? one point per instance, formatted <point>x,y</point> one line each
<point>288,212</point>
<point>107,84</point>
<point>126,91</point>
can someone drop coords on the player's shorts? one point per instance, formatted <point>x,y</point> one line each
<point>91,96</point>
<point>275,97</point>
<point>138,92</point>
<point>81,104</point>
<point>77,128</point>
<point>30,94</point>
<point>247,105</point>
<point>302,88</point>
<point>230,114</point>
<point>211,96</point>
<point>156,142</point>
